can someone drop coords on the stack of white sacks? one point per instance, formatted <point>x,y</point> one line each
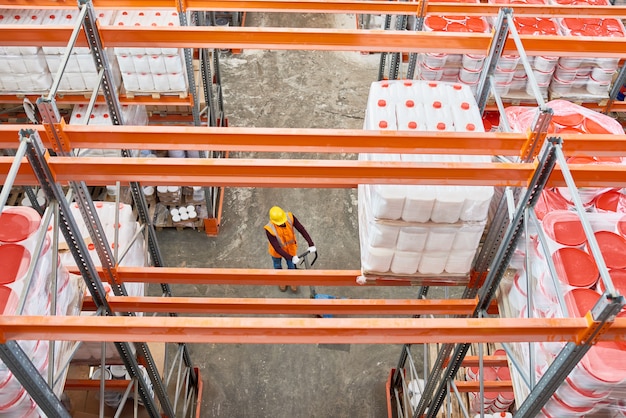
<point>32,69</point>
<point>126,228</point>
<point>19,227</point>
<point>433,230</point>
<point>151,70</point>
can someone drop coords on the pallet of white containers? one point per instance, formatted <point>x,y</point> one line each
<point>415,230</point>
<point>151,70</point>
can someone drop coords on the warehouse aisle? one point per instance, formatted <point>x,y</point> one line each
<point>288,89</point>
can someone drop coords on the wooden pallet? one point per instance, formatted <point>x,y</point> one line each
<point>16,196</point>
<point>161,218</point>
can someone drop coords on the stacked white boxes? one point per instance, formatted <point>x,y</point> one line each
<point>151,70</point>
<point>32,69</point>
<point>23,69</point>
<point>80,73</point>
<point>421,230</point>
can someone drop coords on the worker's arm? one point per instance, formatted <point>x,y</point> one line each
<point>275,244</point>
<point>302,230</point>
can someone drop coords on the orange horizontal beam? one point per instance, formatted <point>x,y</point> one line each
<point>310,140</point>
<point>232,172</point>
<point>162,100</point>
<point>286,140</point>
<point>336,6</point>
<point>244,330</point>
<point>488,386</point>
<point>488,361</point>
<point>196,305</point>
<point>174,275</point>
<point>313,39</point>
<point>91,384</point>
<point>302,173</point>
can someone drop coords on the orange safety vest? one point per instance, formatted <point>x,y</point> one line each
<point>285,235</point>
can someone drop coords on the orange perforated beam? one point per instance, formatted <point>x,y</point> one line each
<point>298,330</point>
<point>488,386</point>
<point>336,6</point>
<point>304,173</point>
<point>311,140</point>
<point>193,305</point>
<point>314,39</point>
<point>488,361</point>
<point>163,100</point>
<point>174,275</point>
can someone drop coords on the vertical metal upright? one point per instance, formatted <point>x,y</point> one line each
<point>419,26</point>
<point>617,85</point>
<point>37,156</point>
<point>496,47</point>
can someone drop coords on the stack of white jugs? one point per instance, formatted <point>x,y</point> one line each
<point>430,230</point>
<point>151,70</point>
<point>135,257</point>
<point>80,73</point>
<point>23,69</point>
<point>19,227</point>
<point>131,115</point>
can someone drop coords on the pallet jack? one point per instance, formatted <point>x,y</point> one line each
<point>313,293</point>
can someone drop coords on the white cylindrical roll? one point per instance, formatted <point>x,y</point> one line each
<point>412,238</point>
<point>419,203</point>
<point>377,259</point>
<point>448,205</point>
<point>383,236</point>
<point>440,239</point>
<point>405,262</point>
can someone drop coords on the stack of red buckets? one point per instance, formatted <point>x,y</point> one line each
<point>492,402</point>
<point>19,227</point>
<point>595,384</point>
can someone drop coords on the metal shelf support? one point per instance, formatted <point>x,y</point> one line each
<point>27,374</point>
<point>495,51</point>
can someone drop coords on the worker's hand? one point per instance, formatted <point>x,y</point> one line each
<point>295,260</point>
<point>312,249</point>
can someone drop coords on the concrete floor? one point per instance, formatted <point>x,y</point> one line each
<point>288,89</point>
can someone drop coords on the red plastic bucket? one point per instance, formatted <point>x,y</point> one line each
<point>575,267</point>
<point>611,201</point>
<point>14,262</point>
<point>564,227</point>
<point>613,249</point>
<point>17,223</point>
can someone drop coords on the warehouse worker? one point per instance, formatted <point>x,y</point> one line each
<point>282,240</point>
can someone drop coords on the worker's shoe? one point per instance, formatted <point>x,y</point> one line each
<point>294,288</point>
<point>282,288</point>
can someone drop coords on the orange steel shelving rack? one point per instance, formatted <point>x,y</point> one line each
<point>299,173</point>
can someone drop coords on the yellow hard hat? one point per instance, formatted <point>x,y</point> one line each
<point>277,215</point>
